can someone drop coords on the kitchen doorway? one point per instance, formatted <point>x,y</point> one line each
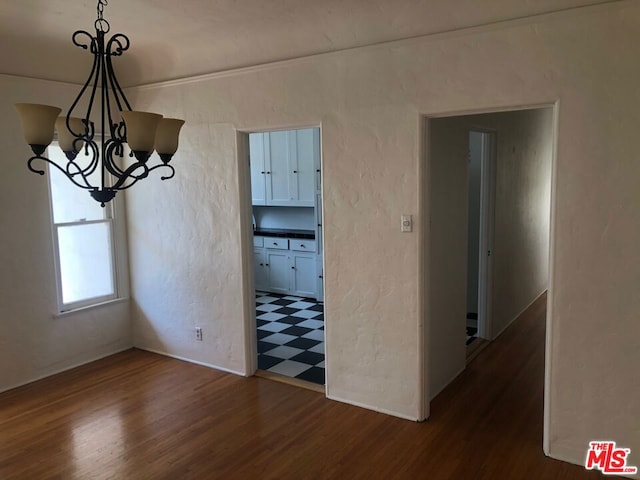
<point>286,219</point>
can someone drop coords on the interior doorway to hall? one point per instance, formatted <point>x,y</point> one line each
<point>489,189</point>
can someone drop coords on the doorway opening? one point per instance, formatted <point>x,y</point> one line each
<point>286,236</point>
<point>489,242</point>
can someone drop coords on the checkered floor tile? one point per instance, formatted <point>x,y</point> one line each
<point>290,336</point>
<point>472,327</point>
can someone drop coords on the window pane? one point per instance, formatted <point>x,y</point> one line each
<point>86,269</point>
<point>70,203</point>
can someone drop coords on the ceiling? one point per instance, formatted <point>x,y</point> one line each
<point>173,39</point>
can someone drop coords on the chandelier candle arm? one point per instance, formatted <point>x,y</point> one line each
<point>37,124</point>
<point>101,150</point>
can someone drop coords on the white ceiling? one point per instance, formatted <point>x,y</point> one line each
<point>181,38</point>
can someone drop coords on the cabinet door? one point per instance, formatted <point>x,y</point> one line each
<point>279,173</point>
<point>258,168</point>
<point>279,271</point>
<point>304,275</point>
<point>318,213</point>
<point>304,159</point>
<point>320,279</point>
<point>260,269</point>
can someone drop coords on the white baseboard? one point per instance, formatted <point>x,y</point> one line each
<point>196,362</point>
<point>519,314</point>
<point>375,409</point>
<point>64,369</point>
<point>434,395</point>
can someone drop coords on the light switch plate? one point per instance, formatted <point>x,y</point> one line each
<point>406,223</point>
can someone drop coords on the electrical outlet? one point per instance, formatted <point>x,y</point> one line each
<point>199,334</point>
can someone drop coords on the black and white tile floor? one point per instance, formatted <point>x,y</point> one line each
<point>472,334</point>
<point>290,336</point>
<point>472,327</point>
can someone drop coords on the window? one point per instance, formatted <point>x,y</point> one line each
<point>84,240</point>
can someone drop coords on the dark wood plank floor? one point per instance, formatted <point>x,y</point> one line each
<point>138,415</point>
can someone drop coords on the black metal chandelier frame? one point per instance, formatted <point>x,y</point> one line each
<point>112,134</point>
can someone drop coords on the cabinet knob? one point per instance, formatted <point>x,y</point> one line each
<point>262,264</point>
<point>318,171</point>
<point>262,173</point>
<point>293,268</point>
<point>268,173</point>
<point>266,264</point>
<point>295,171</point>
<point>302,246</point>
<point>319,276</point>
<point>275,243</point>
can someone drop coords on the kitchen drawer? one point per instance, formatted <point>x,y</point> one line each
<point>258,241</point>
<point>302,245</point>
<point>277,243</point>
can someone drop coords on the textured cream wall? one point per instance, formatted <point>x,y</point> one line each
<point>447,240</point>
<point>185,235</point>
<point>523,194</point>
<point>33,343</point>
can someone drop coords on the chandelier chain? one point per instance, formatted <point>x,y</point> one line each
<point>101,24</point>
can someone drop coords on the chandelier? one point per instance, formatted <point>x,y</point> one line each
<point>94,157</point>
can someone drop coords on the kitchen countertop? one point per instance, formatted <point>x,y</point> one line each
<point>285,232</point>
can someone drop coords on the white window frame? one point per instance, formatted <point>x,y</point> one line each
<point>114,218</point>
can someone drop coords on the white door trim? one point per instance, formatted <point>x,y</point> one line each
<point>487,218</point>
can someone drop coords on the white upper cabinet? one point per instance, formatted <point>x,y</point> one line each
<point>283,167</point>
<point>307,145</point>
<point>257,163</point>
<point>279,175</point>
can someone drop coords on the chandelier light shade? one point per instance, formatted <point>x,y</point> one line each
<point>166,141</point>
<point>37,124</point>
<point>67,136</point>
<point>94,140</point>
<point>141,132</point>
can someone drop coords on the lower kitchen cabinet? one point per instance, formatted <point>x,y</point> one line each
<point>278,271</point>
<point>319,279</point>
<point>285,270</point>
<point>303,267</point>
<point>259,269</point>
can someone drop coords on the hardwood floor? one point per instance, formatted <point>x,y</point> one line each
<point>137,415</point>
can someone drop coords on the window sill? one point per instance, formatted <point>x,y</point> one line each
<point>67,313</point>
